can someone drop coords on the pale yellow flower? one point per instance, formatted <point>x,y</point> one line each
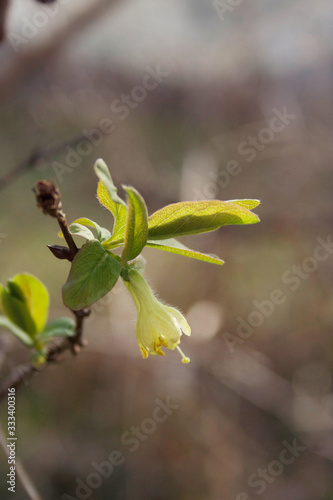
<point>157,324</point>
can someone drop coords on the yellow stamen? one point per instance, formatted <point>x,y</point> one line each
<point>157,349</point>
<point>185,358</point>
<point>163,342</point>
<point>144,352</point>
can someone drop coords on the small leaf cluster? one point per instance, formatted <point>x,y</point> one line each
<point>98,264</point>
<point>24,302</point>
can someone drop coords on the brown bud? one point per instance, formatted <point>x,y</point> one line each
<point>48,197</point>
<point>60,252</point>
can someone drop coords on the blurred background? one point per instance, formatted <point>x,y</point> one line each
<point>185,100</point>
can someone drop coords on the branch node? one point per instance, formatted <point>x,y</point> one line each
<point>49,200</point>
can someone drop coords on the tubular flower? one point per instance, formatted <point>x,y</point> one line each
<point>157,324</point>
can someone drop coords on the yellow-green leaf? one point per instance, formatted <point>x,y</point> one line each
<point>104,175</point>
<point>36,297</point>
<point>136,232</point>
<point>249,204</point>
<point>17,312</point>
<point>193,217</point>
<point>26,302</point>
<point>174,246</point>
<point>107,194</point>
<point>119,212</point>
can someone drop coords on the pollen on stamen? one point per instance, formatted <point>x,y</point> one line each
<point>164,343</point>
<point>157,349</point>
<point>144,352</point>
<point>185,358</point>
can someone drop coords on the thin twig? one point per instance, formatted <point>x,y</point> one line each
<point>23,373</point>
<point>49,200</point>
<point>67,235</point>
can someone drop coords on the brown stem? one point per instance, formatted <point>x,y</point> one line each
<point>23,373</point>
<point>67,235</point>
<point>49,200</point>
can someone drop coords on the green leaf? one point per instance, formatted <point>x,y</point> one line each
<point>249,204</point>
<point>101,232</point>
<point>61,327</point>
<point>119,213</point>
<point>111,243</point>
<point>15,290</point>
<point>104,175</point>
<point>36,297</point>
<point>17,312</point>
<point>174,246</point>
<point>15,330</point>
<point>193,217</point>
<point>25,302</point>
<point>94,272</point>
<point>107,194</point>
<point>104,198</point>
<point>80,228</point>
<point>136,226</point>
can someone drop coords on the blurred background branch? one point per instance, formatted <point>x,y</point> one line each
<point>15,69</point>
<point>3,12</point>
<point>38,154</point>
